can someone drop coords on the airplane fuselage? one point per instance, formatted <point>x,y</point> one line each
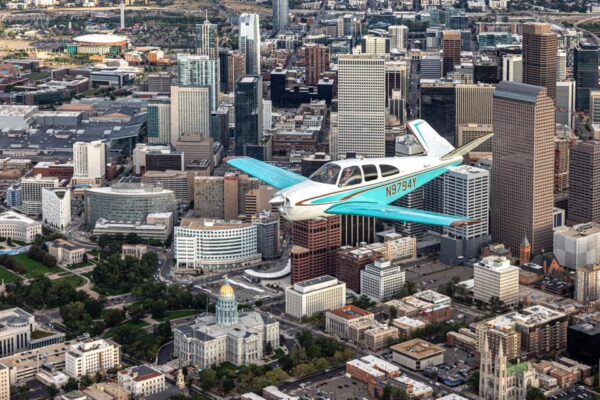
<point>381,180</point>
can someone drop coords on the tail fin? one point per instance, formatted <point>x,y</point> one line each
<point>433,144</point>
<point>464,149</point>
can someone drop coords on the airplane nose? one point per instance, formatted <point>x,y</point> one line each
<point>277,200</point>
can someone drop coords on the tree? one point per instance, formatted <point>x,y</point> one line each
<point>9,241</point>
<point>52,391</point>
<point>85,381</point>
<point>534,393</point>
<point>72,384</point>
<point>474,381</point>
<point>159,309</point>
<point>208,378</point>
<point>363,302</point>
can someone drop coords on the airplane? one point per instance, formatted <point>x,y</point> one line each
<point>364,186</point>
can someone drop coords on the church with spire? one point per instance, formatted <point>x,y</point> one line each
<point>499,380</point>
<point>240,338</point>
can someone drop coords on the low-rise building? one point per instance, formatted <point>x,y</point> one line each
<point>134,250</point>
<point>19,227</point>
<point>415,389</point>
<point>566,376</point>
<point>91,356</point>
<point>66,252</point>
<point>371,370</point>
<point>587,283</point>
<point>406,325</point>
<point>142,380</point>
<point>339,321</point>
<point>380,337</point>
<point>313,296</point>
<point>106,391</point>
<point>158,226</point>
<point>418,354</point>
<point>381,280</point>
<point>495,277</point>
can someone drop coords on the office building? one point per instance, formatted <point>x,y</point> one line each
<point>451,45</point>
<point>315,243</point>
<point>267,234</point>
<point>466,133</point>
<point>577,246</point>
<point>127,202</point>
<point>375,45</point>
<point>31,193</point>
<point>466,192</point>
<point>380,337</point>
<point>280,15</point>
<point>512,68</point>
<point>190,111</point>
<point>19,227</point>
<point>91,356</point>
<point>361,106</point>
<point>417,354</point>
<point>495,277</point>
<point>474,105</point>
<point>310,297</point>
<point>584,183</point>
<point>485,70</point>
<point>4,383</point>
<point>583,341</point>
<point>198,152</point>
<point>250,42</point>
<point>561,65</point>
<point>142,380</point>
<point>500,381</point>
<point>207,39</point>
<point>180,182</point>
<point>200,70</point>
<point>222,197</point>
<point>350,261</point>
<point>523,173</point>
<point>157,226</point>
<point>339,322</point>
<point>236,69</point>
<point>89,163</point>
<point>248,113</point>
<point>17,333</point>
<point>498,332</point>
<point>594,107</point>
<point>565,102</point>
<point>438,107</point>
<point>396,80</point>
<point>65,252</point>
<point>431,67</point>
<point>381,280</point>
<point>396,248</point>
<point>240,338</point>
<point>215,245</point>
<point>159,122</point>
<point>540,46</point>
<point>587,283</point>
<point>317,58</point>
<point>585,73</point>
<point>398,37</point>
<point>56,208</point>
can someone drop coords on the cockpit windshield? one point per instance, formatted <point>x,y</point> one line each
<point>328,173</point>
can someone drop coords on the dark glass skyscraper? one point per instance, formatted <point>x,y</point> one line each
<point>438,107</point>
<point>585,72</point>
<point>248,112</point>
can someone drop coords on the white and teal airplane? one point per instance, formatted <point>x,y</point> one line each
<point>364,187</point>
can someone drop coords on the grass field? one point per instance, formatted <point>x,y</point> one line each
<point>34,269</point>
<point>136,325</point>
<point>88,274</point>
<point>80,265</point>
<point>179,314</point>
<point>8,276</point>
<point>73,280</point>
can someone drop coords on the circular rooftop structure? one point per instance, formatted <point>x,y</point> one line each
<point>102,40</point>
<point>226,291</point>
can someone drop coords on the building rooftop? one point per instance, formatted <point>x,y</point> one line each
<point>350,312</point>
<point>213,225</point>
<point>589,327</point>
<point>315,283</point>
<point>580,230</point>
<point>518,91</point>
<point>16,111</point>
<point>418,349</point>
<point>11,216</point>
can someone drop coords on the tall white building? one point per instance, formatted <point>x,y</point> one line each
<point>89,163</point>
<point>250,42</point>
<point>495,277</point>
<point>467,192</point>
<point>91,356</point>
<point>31,193</point>
<point>595,106</point>
<point>398,37</point>
<point>381,280</point>
<point>375,45</point>
<point>587,284</point>
<point>4,383</point>
<point>200,70</point>
<point>56,208</point>
<point>577,246</point>
<point>190,111</point>
<point>565,102</point>
<point>561,65</point>
<point>267,114</point>
<point>280,14</point>
<point>361,106</point>
<point>313,296</point>
<point>512,68</point>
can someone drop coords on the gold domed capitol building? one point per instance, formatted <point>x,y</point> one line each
<point>229,335</point>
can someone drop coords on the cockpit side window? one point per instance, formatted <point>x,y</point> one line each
<point>370,172</point>
<point>388,170</point>
<point>350,176</point>
<point>328,173</point>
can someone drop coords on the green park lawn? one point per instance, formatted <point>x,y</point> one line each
<point>137,325</point>
<point>34,269</point>
<point>8,276</point>
<point>179,314</point>
<point>73,280</point>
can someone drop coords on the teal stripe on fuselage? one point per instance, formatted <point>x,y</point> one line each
<point>386,193</point>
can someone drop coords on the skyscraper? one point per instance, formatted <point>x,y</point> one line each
<point>565,102</point>
<point>315,245</point>
<point>512,68</point>
<point>248,113</point>
<point>396,78</point>
<point>159,122</point>
<point>523,173</point>
<point>250,42</point>
<point>438,107</point>
<point>207,39</point>
<point>451,43</point>
<point>375,45</point>
<point>540,46</point>
<point>584,183</point>
<point>190,111</point>
<point>398,37</point>
<point>361,105</point>
<point>316,58</point>
<point>594,106</point>
<point>236,69</point>
<point>280,14</point>
<point>89,162</point>
<point>193,70</point>
<point>585,72</point>
<point>474,104</point>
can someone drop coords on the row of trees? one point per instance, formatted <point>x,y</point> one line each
<point>40,255</point>
<point>114,274</point>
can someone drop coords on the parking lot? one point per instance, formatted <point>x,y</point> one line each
<point>432,274</point>
<point>340,387</point>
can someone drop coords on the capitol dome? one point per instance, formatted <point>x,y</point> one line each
<point>226,291</point>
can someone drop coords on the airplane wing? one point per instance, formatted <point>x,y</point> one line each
<point>270,174</point>
<point>395,213</point>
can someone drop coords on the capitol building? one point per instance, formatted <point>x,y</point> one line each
<point>237,337</point>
